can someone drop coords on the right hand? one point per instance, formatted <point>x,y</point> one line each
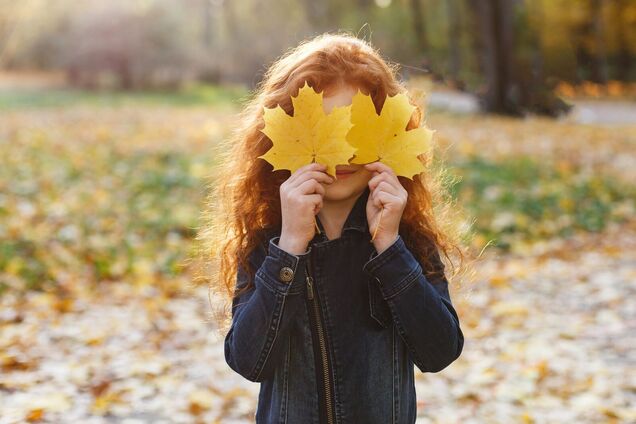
<point>301,199</point>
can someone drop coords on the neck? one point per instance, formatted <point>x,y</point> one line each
<point>333,215</point>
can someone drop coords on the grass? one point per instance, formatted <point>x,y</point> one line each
<point>521,198</point>
<point>194,95</point>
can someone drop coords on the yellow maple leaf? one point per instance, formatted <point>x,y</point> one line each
<point>384,137</point>
<point>308,136</point>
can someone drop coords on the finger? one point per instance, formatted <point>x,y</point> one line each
<point>392,181</point>
<point>387,187</point>
<point>314,166</point>
<point>311,186</point>
<point>316,201</point>
<point>375,180</point>
<point>382,198</point>
<point>319,176</point>
<point>318,207</point>
<point>379,167</point>
<point>383,187</point>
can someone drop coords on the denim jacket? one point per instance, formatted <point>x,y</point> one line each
<point>333,334</point>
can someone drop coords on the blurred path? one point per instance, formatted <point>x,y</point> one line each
<point>603,112</point>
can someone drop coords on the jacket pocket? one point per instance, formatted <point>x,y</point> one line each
<point>378,308</point>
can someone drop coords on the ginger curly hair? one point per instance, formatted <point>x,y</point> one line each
<point>243,198</point>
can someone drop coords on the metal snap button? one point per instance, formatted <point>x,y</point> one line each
<point>286,274</point>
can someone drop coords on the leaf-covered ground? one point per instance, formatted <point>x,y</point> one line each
<point>549,339</point>
<point>99,321</point>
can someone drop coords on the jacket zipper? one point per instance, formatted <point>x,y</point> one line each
<point>321,337</point>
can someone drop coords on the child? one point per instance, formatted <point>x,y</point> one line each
<point>330,323</point>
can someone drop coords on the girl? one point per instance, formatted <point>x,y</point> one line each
<point>330,323</point>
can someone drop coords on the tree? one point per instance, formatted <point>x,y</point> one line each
<point>509,88</point>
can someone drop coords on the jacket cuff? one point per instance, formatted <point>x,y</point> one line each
<point>278,259</point>
<point>394,269</point>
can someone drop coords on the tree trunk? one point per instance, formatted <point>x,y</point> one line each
<point>509,88</point>
<point>623,62</point>
<point>494,19</point>
<point>454,54</point>
<point>598,62</point>
<point>418,25</point>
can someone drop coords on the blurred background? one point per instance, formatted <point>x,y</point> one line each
<point>109,112</point>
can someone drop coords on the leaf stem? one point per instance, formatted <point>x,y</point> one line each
<point>378,226</point>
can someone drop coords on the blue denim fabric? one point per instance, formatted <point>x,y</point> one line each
<point>346,355</point>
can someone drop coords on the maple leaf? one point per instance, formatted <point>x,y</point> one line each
<point>384,137</point>
<point>308,136</point>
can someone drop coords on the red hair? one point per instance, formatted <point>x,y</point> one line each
<point>244,198</point>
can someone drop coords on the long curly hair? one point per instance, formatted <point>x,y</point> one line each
<point>243,199</point>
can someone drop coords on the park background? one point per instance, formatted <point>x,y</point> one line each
<point>109,112</point>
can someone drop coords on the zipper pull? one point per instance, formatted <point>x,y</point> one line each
<point>310,288</point>
<point>309,279</point>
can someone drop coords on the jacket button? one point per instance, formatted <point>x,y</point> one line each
<point>286,274</point>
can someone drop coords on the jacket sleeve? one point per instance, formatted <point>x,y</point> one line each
<point>422,310</point>
<point>261,317</point>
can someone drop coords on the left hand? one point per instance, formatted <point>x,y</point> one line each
<point>387,192</point>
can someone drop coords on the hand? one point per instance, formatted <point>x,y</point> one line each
<point>387,192</point>
<point>301,199</point>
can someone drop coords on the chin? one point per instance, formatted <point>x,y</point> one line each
<point>347,187</point>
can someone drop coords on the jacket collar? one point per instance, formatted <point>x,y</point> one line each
<point>357,218</point>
